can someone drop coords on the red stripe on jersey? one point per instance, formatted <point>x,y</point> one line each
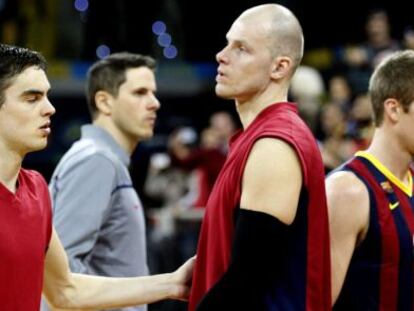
<point>389,243</point>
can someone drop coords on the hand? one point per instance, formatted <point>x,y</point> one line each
<point>182,280</point>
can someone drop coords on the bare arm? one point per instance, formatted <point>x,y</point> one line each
<point>348,207</point>
<point>272,180</point>
<point>67,290</point>
<point>271,185</point>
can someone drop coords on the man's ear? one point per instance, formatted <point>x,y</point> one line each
<point>104,102</point>
<point>281,67</point>
<point>392,109</point>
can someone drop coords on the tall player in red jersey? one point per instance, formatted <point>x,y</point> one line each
<point>29,247</point>
<point>264,242</point>
<point>371,203</point>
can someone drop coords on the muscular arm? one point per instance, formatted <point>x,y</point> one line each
<point>271,188</point>
<point>272,180</point>
<point>348,207</point>
<point>67,290</point>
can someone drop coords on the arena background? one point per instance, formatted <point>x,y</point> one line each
<point>69,32</point>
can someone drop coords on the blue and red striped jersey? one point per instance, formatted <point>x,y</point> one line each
<point>380,275</point>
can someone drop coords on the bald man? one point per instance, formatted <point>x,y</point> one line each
<point>264,242</point>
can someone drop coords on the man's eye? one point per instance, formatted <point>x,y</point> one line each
<point>32,99</point>
<point>141,92</point>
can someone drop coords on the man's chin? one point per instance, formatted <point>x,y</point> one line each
<point>220,92</point>
<point>37,147</point>
<point>145,136</point>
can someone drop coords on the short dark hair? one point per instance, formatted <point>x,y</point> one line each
<point>13,61</point>
<point>108,74</point>
<point>393,78</point>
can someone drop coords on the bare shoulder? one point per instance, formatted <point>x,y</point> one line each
<point>344,185</point>
<point>271,143</point>
<point>274,154</point>
<point>348,201</point>
<point>272,179</point>
<point>273,157</point>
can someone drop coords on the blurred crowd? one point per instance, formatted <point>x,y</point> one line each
<point>334,100</point>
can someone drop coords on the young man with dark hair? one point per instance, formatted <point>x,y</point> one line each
<point>31,255</point>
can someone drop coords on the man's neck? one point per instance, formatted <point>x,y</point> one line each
<point>249,109</point>
<point>390,153</point>
<point>127,144</point>
<point>10,165</point>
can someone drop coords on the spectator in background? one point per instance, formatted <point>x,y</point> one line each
<point>184,183</point>
<point>379,43</point>
<point>176,189</point>
<point>206,160</point>
<point>307,88</point>
<point>97,212</point>
<point>223,123</point>
<point>363,58</point>
<point>335,146</point>
<point>340,93</point>
<point>165,184</point>
<point>360,124</point>
<point>408,39</point>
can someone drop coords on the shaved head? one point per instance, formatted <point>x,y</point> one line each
<point>282,28</point>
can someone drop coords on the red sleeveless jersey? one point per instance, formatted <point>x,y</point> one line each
<point>306,283</point>
<point>25,230</point>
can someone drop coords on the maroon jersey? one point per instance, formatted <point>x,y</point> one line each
<point>381,272</point>
<point>25,230</point>
<point>305,281</point>
<point>208,163</point>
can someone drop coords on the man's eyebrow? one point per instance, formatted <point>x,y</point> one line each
<point>144,88</point>
<point>34,92</point>
<point>237,41</point>
<point>240,41</point>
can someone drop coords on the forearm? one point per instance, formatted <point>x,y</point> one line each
<point>257,260</point>
<point>66,290</point>
<point>94,292</point>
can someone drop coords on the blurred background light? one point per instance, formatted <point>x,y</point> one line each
<point>81,5</point>
<point>170,52</point>
<point>164,40</point>
<point>103,51</point>
<point>158,27</point>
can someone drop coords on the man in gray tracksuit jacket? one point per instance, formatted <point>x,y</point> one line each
<point>96,210</point>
